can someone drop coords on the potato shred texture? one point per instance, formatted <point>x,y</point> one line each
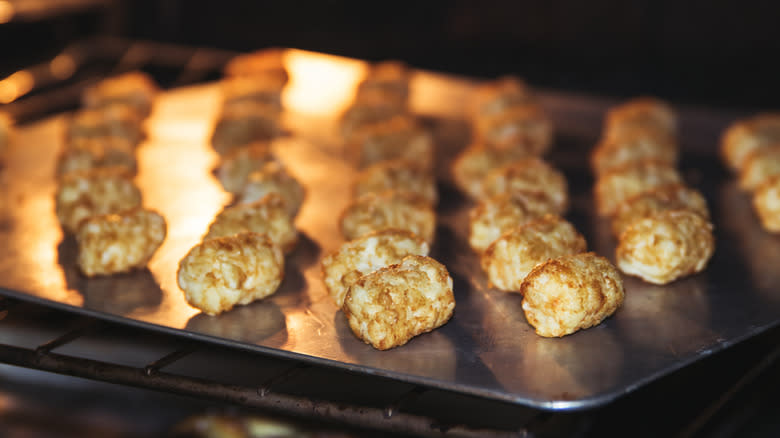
<point>571,293</point>
<point>390,306</point>
<point>362,256</point>
<point>219,273</point>
<point>266,216</point>
<point>115,243</point>
<point>389,210</point>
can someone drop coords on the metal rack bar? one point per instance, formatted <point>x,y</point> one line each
<point>359,416</point>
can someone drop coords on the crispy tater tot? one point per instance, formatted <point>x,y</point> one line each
<point>252,89</point>
<point>136,90</point>
<point>119,242</point>
<point>267,216</point>
<point>89,153</point>
<point>234,168</point>
<point>666,246</point>
<point>508,260</point>
<point>760,165</point>
<point>623,183</point>
<point>645,113</point>
<point>373,108</point>
<point>570,293</point>
<point>476,161</point>
<point>274,178</point>
<point>670,197</point>
<point>266,65</point>
<point>108,121</point>
<point>633,146</point>
<point>766,203</point>
<point>376,212</point>
<point>496,215</point>
<point>400,137</point>
<point>245,122</point>
<point>398,175</point>
<point>529,175</point>
<point>219,273</point>
<point>386,81</point>
<point>85,193</point>
<point>356,258</point>
<point>523,126</point>
<point>744,136</point>
<point>390,306</point>
<point>497,96</point>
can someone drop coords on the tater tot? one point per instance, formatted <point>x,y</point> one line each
<point>119,242</point>
<point>252,89</point>
<point>390,306</point>
<point>234,168</point>
<point>476,161</point>
<point>664,247</point>
<point>570,293</point>
<point>529,175</point>
<point>267,216</point>
<point>760,165</point>
<point>266,65</point>
<point>376,212</point>
<point>219,273</point>
<point>633,146</point>
<point>496,215</point>
<point>398,175</point>
<point>508,260</point>
<point>497,96</point>
<point>245,122</point>
<point>744,136</point>
<point>136,90</point>
<point>670,197</point>
<point>109,121</point>
<point>6,127</point>
<point>85,193</point>
<point>645,113</point>
<point>90,153</point>
<point>372,108</point>
<point>766,203</point>
<point>274,178</point>
<point>524,126</point>
<point>623,183</point>
<point>356,258</point>
<point>387,81</point>
<point>400,137</point>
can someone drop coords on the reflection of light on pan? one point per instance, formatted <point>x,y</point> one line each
<point>320,84</point>
<point>255,322</point>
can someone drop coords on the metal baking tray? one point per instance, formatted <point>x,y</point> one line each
<point>487,349</point>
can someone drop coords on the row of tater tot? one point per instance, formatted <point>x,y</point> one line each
<point>382,278</point>
<point>241,256</point>
<point>516,226</point>
<point>751,149</point>
<point>96,198</point>
<point>662,225</point>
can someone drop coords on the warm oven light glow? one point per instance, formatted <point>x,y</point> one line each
<point>320,84</point>
<point>16,86</point>
<point>6,11</point>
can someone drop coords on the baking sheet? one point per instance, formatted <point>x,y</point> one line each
<point>487,349</point>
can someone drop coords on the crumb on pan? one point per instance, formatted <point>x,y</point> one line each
<point>219,273</point>
<point>266,216</point>
<point>529,175</point>
<point>664,247</point>
<point>615,187</point>
<point>119,242</point>
<point>235,166</point>
<point>398,175</point>
<point>390,306</point>
<point>274,178</point>
<point>508,260</point>
<point>766,203</point>
<point>496,215</point>
<point>742,137</point>
<point>85,193</point>
<point>364,255</point>
<point>136,90</point>
<point>631,147</point>
<point>571,293</point>
<point>669,197</point>
<point>376,212</point>
<point>761,164</point>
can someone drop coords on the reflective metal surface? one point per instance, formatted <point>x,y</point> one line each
<point>487,348</point>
